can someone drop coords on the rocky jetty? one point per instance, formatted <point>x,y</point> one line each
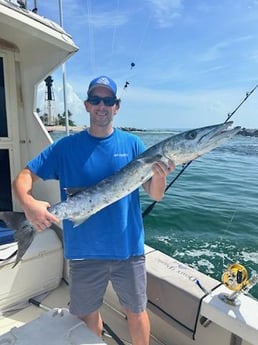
<point>248,132</point>
<point>132,129</point>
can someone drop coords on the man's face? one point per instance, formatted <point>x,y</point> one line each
<point>101,114</point>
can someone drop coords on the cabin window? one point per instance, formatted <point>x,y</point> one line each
<point>3,118</point>
<point>5,182</point>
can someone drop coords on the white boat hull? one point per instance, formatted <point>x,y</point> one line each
<point>180,312</point>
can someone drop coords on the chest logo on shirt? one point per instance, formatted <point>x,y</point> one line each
<point>120,154</point>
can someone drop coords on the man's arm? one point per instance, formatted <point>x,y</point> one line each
<point>35,210</point>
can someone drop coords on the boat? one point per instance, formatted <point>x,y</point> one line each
<point>185,306</point>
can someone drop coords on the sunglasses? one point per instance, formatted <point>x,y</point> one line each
<point>108,101</point>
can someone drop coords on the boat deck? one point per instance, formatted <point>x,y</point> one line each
<point>59,298</point>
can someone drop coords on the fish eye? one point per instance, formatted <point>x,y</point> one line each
<point>191,135</point>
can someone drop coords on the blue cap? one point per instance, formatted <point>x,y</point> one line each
<point>103,81</point>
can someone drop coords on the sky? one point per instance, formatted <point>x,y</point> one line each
<point>195,60</point>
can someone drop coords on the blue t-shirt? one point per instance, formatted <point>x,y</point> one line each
<point>81,160</point>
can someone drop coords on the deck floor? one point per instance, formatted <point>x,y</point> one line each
<point>59,298</point>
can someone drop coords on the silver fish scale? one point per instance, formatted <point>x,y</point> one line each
<point>89,201</point>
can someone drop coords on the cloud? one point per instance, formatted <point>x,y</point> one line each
<point>185,76</point>
<point>152,108</point>
<point>102,20</point>
<point>166,11</point>
<point>74,102</point>
<point>217,50</point>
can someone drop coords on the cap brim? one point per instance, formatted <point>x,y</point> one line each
<point>101,85</point>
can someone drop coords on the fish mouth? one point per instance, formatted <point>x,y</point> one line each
<point>219,132</point>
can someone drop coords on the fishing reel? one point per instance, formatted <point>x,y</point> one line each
<point>235,278</point>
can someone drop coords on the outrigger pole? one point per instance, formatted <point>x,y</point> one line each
<point>64,74</point>
<point>150,207</point>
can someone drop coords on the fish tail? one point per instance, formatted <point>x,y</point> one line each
<point>24,231</point>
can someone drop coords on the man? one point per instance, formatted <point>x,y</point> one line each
<point>109,246</point>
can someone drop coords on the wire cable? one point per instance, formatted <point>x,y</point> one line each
<point>114,32</point>
<point>91,36</point>
<point>128,77</point>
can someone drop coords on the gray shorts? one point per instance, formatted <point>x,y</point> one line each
<point>89,280</point>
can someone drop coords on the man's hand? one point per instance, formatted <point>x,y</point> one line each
<point>37,214</point>
<point>156,186</point>
<point>35,210</point>
<point>162,170</point>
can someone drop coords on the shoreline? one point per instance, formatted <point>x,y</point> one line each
<point>51,129</point>
<point>244,131</point>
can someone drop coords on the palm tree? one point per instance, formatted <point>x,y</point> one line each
<point>61,119</point>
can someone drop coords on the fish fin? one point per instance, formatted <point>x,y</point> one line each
<point>79,221</point>
<point>12,219</point>
<point>24,231</point>
<point>24,238</point>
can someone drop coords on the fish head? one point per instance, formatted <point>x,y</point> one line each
<point>189,145</point>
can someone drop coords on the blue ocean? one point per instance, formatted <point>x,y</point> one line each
<point>209,217</point>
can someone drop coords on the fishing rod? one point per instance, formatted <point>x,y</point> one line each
<point>185,166</point>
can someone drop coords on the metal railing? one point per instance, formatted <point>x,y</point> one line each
<point>24,4</point>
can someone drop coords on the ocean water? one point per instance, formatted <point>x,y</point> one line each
<point>209,217</point>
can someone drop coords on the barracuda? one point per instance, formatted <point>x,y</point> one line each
<point>82,204</point>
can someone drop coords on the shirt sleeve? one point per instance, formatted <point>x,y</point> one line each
<point>141,146</point>
<point>45,164</point>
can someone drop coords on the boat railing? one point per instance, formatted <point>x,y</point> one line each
<point>24,4</point>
